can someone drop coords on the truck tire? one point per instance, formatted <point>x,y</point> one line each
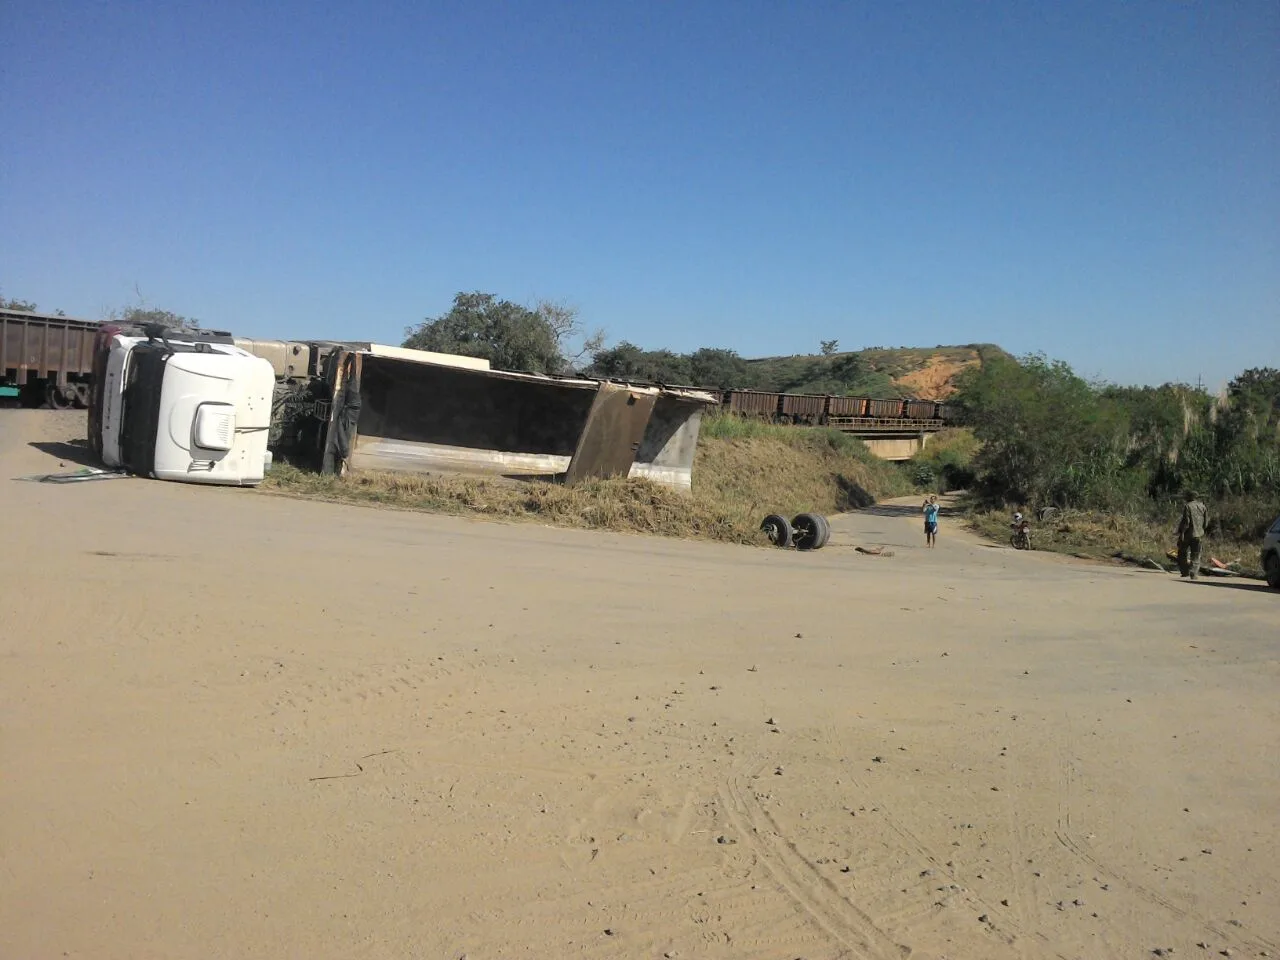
<point>59,398</point>
<point>1273,571</point>
<point>777,530</point>
<point>810,531</point>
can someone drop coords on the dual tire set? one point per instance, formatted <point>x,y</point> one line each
<point>806,531</point>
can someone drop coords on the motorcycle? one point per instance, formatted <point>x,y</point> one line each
<point>1021,539</point>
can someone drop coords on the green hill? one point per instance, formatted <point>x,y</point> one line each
<point>928,373</point>
<point>925,372</point>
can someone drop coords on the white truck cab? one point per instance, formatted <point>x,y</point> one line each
<point>197,410</point>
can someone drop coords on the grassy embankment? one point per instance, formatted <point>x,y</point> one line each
<point>743,471</point>
<point>1134,536</point>
<point>1130,538</point>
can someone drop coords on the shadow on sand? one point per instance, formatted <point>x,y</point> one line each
<point>852,495</point>
<point>75,451</point>
<point>1256,586</point>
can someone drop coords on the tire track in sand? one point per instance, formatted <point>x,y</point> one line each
<point>1063,833</point>
<point>800,879</point>
<point>1011,927</point>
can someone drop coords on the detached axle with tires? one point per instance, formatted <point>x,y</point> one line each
<point>806,531</point>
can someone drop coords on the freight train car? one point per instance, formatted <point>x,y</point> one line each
<point>847,407</point>
<point>920,410</point>
<point>752,403</point>
<point>884,408</point>
<point>45,359</point>
<point>804,409</point>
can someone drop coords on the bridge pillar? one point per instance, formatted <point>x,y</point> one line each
<point>896,448</point>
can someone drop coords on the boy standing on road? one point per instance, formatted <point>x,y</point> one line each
<point>931,521</point>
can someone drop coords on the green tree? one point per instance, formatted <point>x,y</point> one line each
<point>1243,439</point>
<point>715,367</point>
<point>508,335</point>
<point>1047,437</point>
<point>1256,395</point>
<point>626,361</point>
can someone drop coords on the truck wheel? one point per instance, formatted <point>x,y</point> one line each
<point>56,396</point>
<point>809,529</point>
<point>777,530</point>
<point>1273,571</point>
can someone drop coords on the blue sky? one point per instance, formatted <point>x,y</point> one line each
<point>1098,181</point>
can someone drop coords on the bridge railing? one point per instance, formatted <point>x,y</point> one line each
<point>885,424</point>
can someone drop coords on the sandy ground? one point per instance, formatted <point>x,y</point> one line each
<point>236,725</point>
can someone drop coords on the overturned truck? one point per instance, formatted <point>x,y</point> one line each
<point>206,407</point>
<point>388,408</point>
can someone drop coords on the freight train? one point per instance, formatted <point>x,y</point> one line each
<point>817,410</point>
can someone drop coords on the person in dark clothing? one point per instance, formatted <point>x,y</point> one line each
<point>1191,526</point>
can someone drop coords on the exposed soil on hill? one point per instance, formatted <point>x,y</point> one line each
<point>936,380</point>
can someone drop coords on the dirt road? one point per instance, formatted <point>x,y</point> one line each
<point>234,725</point>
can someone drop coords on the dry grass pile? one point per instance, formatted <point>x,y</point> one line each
<point>739,476</point>
<point>627,505</point>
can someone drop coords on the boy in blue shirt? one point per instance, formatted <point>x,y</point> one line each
<point>931,521</point>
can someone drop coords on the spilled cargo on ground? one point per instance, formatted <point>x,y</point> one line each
<point>391,410</point>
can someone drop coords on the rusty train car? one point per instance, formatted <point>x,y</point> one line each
<point>816,410</point>
<point>45,359</point>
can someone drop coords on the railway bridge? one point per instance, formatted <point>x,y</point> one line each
<point>889,438</point>
<point>893,429</point>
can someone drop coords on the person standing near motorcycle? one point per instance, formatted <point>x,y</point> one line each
<point>1191,527</point>
<point>931,521</point>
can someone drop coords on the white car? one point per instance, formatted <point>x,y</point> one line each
<point>1271,554</point>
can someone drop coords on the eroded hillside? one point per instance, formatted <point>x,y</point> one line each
<point>924,372</point>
